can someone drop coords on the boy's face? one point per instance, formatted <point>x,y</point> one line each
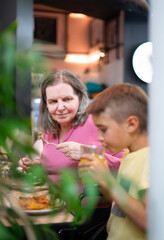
<point>113,136</point>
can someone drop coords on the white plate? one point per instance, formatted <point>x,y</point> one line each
<point>40,211</point>
<point>14,196</point>
<point>23,188</point>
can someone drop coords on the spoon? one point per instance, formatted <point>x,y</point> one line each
<point>48,143</point>
<point>40,136</point>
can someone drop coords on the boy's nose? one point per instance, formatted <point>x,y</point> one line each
<point>100,138</point>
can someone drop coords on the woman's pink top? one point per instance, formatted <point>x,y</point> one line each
<point>54,159</point>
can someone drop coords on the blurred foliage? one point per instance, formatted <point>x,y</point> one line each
<point>15,134</point>
<point>16,141</point>
<point>68,190</point>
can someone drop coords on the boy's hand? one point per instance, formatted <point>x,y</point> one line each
<point>93,166</point>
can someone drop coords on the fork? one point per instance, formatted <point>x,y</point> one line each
<point>48,143</point>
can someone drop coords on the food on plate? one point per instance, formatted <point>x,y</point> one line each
<point>5,170</point>
<point>40,135</point>
<point>35,202</point>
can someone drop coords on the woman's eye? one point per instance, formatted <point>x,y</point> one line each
<point>52,101</point>
<point>67,99</point>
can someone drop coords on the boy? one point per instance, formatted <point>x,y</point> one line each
<point>120,113</point>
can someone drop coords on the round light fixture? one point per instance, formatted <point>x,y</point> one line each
<point>142,62</point>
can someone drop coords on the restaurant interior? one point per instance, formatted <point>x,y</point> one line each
<point>96,40</point>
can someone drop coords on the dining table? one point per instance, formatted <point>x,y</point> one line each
<point>58,219</point>
<point>40,216</point>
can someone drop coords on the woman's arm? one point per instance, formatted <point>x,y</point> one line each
<point>25,162</point>
<point>38,147</point>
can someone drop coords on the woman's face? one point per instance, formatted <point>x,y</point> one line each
<point>62,103</point>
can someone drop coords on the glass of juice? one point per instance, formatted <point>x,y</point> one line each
<point>94,150</point>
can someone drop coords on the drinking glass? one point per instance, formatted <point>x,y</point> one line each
<point>94,150</point>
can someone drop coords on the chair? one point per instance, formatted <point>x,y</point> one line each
<point>93,229</point>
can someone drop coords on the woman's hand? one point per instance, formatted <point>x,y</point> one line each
<point>25,163</point>
<point>70,149</point>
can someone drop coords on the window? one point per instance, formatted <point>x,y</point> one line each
<point>45,29</point>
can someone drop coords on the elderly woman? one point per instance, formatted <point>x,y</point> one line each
<point>63,121</point>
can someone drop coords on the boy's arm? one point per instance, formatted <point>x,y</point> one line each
<point>134,209</point>
<point>137,212</point>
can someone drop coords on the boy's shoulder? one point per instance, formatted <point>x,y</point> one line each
<point>140,151</point>
<point>137,155</point>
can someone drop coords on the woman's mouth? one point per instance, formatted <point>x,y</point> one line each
<point>62,115</point>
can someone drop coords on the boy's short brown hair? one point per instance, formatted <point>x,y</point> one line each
<point>123,100</point>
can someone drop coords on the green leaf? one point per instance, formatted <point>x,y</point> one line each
<point>45,232</point>
<point>36,175</point>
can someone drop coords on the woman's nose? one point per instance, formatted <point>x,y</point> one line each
<point>60,105</point>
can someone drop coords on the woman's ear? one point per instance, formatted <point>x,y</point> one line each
<point>132,123</point>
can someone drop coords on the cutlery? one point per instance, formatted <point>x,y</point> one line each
<point>40,136</point>
<point>48,143</point>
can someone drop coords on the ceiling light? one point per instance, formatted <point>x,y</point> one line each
<point>142,62</point>
<point>77,15</point>
<point>84,58</point>
<point>93,57</point>
<point>76,58</point>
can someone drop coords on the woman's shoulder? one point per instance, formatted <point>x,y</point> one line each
<point>87,127</point>
<point>89,120</point>
<point>50,136</point>
<point>89,124</point>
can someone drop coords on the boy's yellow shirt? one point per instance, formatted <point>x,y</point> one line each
<point>133,177</point>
